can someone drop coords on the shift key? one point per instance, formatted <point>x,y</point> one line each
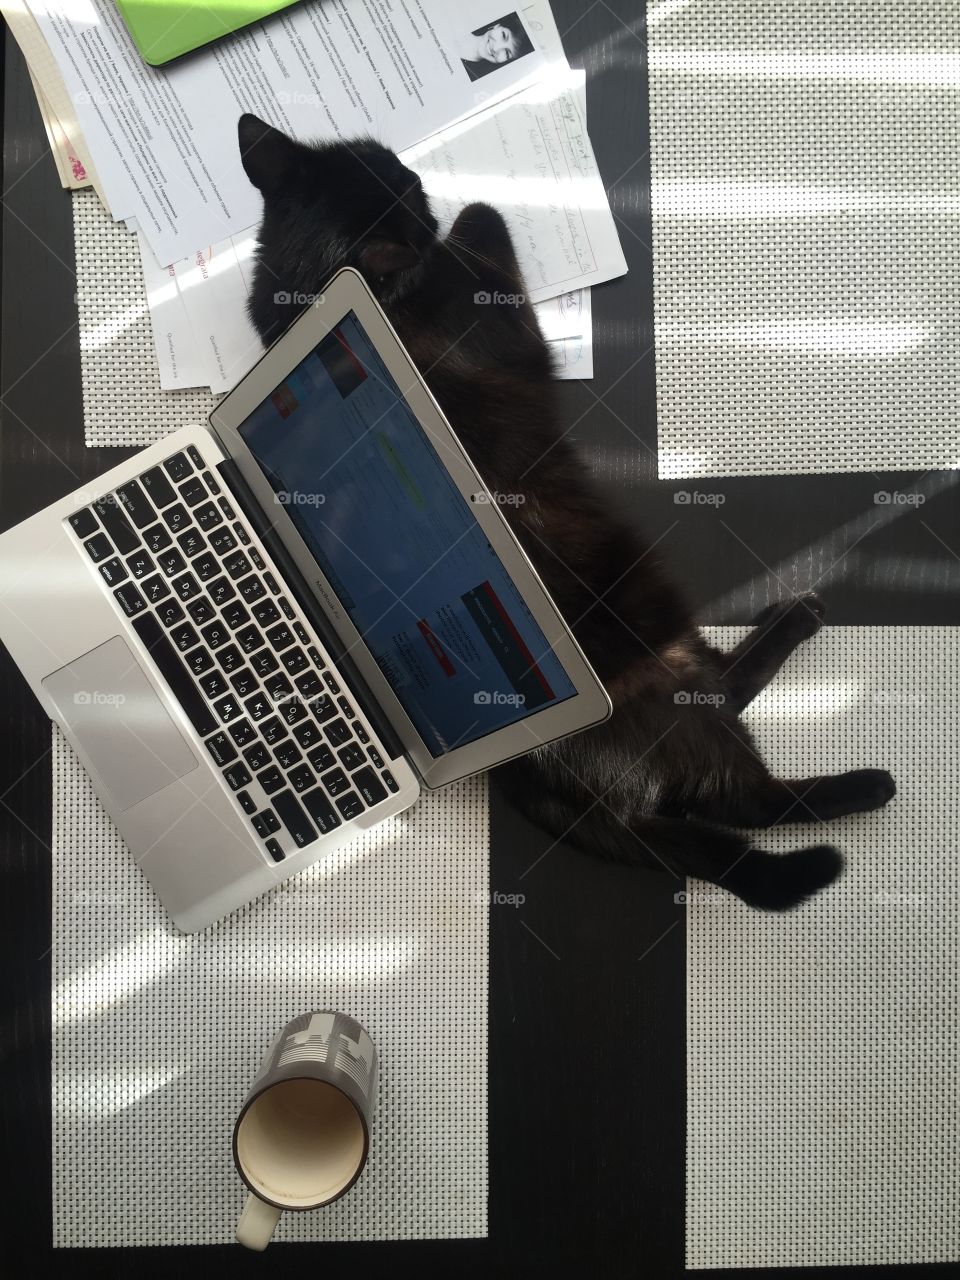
<point>288,810</point>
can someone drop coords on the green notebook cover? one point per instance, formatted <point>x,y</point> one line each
<point>166,29</point>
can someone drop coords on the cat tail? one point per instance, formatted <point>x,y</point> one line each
<point>685,847</point>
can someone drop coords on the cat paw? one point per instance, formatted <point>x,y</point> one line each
<point>803,614</point>
<point>857,791</point>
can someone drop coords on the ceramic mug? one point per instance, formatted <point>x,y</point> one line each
<point>303,1133</point>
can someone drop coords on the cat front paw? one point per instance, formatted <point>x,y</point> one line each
<point>803,614</point>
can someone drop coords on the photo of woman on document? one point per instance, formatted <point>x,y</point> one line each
<point>493,45</point>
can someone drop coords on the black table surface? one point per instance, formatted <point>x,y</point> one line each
<point>587,985</point>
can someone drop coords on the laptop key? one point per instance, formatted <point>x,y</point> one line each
<point>273,730</point>
<point>335,781</point>
<point>222,541</point>
<point>294,819</point>
<point>350,805</point>
<point>98,547</point>
<point>270,779</point>
<point>351,756</point>
<point>171,562</point>
<point>193,491</point>
<point>272,583</point>
<point>301,778</point>
<point>215,634</point>
<point>195,457</point>
<point>140,564</point>
<point>264,662</point>
<point>307,734</point>
<point>242,732</point>
<point>309,685</point>
<point>221,749</point>
<point>234,614</point>
<point>249,639</point>
<point>258,706</point>
<point>161,491</point>
<point>135,504</point>
<point>130,599</point>
<point>201,611</point>
<point>257,756</point>
<point>113,571</point>
<point>178,468</point>
<point>266,612</point>
<point>318,805</point>
<point>360,732</point>
<point>323,708</point>
<point>266,823</point>
<point>295,660</point>
<point>211,483</point>
<point>227,510</point>
<point>199,661</point>
<point>207,516</point>
<point>243,682</point>
<point>230,658</point>
<point>330,682</point>
<point>293,711</point>
<point>184,637</point>
<point>321,758</point>
<point>237,565</point>
<point>346,708</point>
<point>390,780</point>
<point>155,588</point>
<point>191,542</point>
<point>300,633</point>
<point>83,523</point>
<point>274,850</point>
<point>280,636</point>
<point>117,525</point>
<point>221,590</point>
<point>176,674</point>
<point>170,613</point>
<point>205,566</point>
<point>338,732</point>
<point>176,517</point>
<point>375,756</point>
<point>251,589</point>
<point>315,657</point>
<point>257,558</point>
<point>278,687</point>
<point>288,754</point>
<point>286,608</point>
<point>157,538</point>
<point>369,786</point>
<point>186,586</point>
<point>213,684</point>
<point>242,535</point>
<point>237,777</point>
<point>247,802</point>
<point>227,708</point>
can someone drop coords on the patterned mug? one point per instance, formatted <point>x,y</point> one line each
<point>303,1133</point>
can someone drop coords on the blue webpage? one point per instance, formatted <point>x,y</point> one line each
<point>400,545</point>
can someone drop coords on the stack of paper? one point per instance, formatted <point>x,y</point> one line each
<point>160,148</point>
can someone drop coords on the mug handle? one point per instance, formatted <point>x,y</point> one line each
<point>257,1223</point>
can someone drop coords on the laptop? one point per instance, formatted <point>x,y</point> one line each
<point>166,29</point>
<point>266,635</point>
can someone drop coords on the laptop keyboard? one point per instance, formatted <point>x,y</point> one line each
<point>183,566</point>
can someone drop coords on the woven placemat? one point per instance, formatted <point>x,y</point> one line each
<point>823,1046</point>
<point>806,235</point>
<point>157,1035</point>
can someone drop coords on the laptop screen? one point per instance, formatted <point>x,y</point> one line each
<point>400,545</point>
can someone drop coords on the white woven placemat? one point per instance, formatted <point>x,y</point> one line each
<point>823,1046</point>
<point>122,400</point>
<point>157,1035</point>
<point>806,235</point>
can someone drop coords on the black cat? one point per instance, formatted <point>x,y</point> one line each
<point>649,784</point>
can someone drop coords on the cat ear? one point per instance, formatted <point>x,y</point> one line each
<point>382,257</point>
<point>269,157</point>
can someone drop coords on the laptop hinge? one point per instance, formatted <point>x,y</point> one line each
<point>308,603</point>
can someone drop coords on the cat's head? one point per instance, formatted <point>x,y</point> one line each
<point>327,206</point>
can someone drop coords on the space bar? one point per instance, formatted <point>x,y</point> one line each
<point>175,673</point>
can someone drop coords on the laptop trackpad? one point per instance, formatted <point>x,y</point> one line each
<point>112,710</point>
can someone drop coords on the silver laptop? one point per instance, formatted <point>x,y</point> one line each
<point>264,637</point>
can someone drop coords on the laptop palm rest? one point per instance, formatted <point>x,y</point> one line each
<point>119,722</point>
